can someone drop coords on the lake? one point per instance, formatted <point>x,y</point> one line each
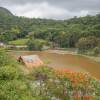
<point>72,62</point>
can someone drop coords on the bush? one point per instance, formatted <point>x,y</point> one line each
<point>88,45</point>
<point>9,73</point>
<point>13,85</point>
<point>96,50</point>
<point>62,84</point>
<point>14,90</point>
<point>4,58</point>
<point>36,44</point>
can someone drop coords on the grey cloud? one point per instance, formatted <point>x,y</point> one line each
<point>69,4</point>
<point>76,5</point>
<point>58,9</point>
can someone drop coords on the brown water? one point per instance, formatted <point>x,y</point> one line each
<point>72,62</point>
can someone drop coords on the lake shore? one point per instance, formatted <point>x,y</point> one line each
<point>65,59</point>
<point>95,58</point>
<point>66,51</point>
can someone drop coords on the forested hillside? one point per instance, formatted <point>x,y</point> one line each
<point>82,32</point>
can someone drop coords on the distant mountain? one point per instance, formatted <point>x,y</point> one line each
<point>5,12</point>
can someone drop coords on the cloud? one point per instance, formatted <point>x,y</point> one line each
<point>40,10</point>
<point>55,9</point>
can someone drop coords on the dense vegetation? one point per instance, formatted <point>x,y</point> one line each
<point>13,84</point>
<point>76,32</point>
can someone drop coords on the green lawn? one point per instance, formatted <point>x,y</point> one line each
<point>19,42</point>
<point>24,41</point>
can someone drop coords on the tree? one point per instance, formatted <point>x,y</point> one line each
<point>36,44</point>
<point>96,50</point>
<point>87,43</point>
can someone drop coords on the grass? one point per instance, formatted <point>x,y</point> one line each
<point>24,41</point>
<point>19,42</point>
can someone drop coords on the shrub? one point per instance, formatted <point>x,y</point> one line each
<point>96,50</point>
<point>13,84</point>
<point>62,84</point>
<point>4,58</point>
<point>88,45</point>
<point>36,44</point>
<point>14,90</point>
<point>9,73</point>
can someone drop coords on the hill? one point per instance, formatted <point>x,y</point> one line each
<point>81,32</point>
<point>5,12</point>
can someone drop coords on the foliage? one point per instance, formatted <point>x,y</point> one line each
<point>13,85</point>
<point>96,50</point>
<point>4,58</point>
<point>88,43</point>
<point>14,90</point>
<point>36,44</point>
<point>63,84</point>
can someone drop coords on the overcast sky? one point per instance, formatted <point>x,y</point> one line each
<point>55,9</point>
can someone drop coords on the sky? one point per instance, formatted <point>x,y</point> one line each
<point>52,9</point>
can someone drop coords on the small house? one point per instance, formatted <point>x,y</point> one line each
<point>30,61</point>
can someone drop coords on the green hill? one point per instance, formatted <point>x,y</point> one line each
<point>5,12</point>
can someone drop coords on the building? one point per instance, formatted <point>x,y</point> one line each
<point>2,44</point>
<point>30,61</point>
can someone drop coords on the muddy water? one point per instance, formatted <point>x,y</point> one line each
<point>71,62</point>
